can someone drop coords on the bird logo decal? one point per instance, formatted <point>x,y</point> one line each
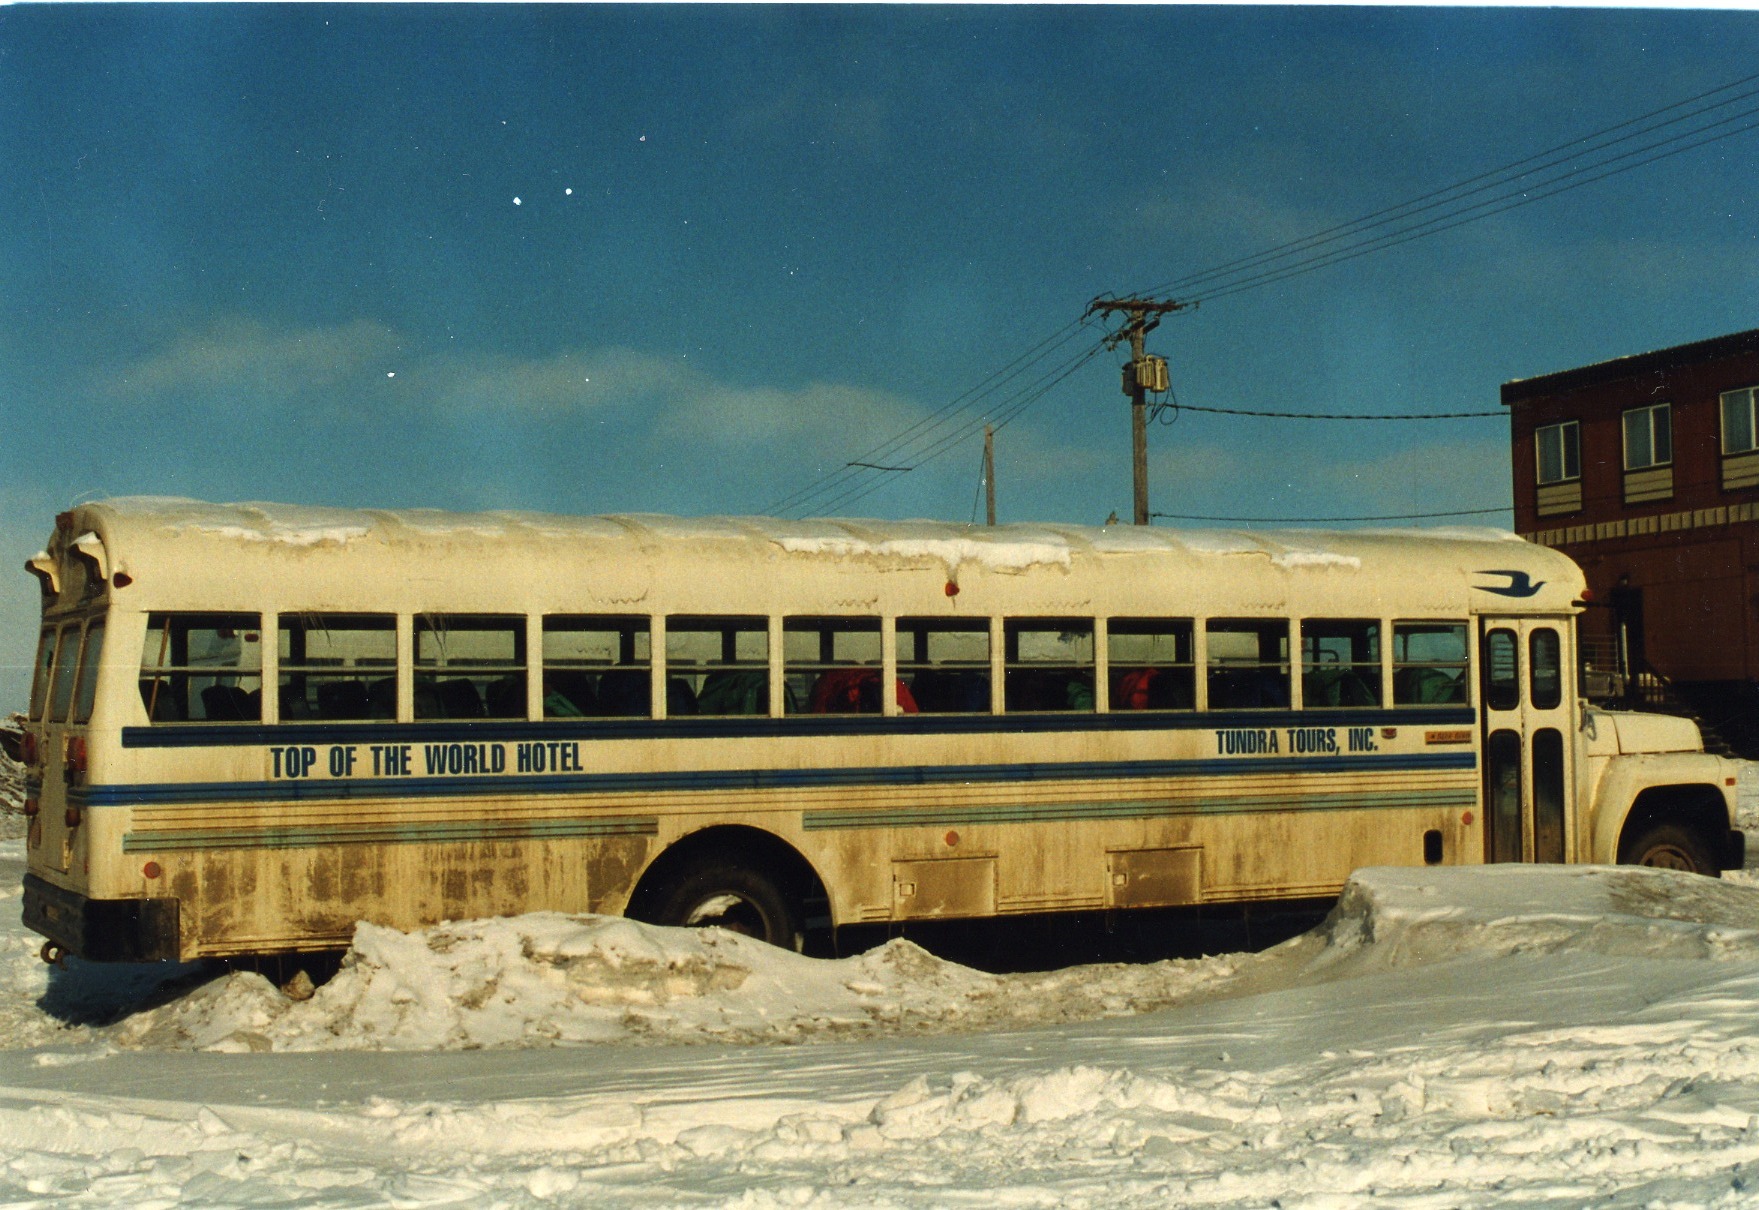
<point>1520,584</point>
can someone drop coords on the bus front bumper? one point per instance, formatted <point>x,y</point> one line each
<point>101,930</point>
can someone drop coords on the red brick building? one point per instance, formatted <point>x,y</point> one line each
<point>1645,470</point>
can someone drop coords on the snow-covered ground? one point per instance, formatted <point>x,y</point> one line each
<point>1503,1036</point>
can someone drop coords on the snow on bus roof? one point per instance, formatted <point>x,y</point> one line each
<point>1008,548</point>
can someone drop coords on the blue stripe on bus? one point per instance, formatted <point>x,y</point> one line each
<point>233,735</point>
<point>429,832</point>
<point>756,779</point>
<point>969,815</point>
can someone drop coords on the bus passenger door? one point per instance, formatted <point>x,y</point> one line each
<point>1526,700</point>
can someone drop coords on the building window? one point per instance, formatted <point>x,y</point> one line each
<point>1648,437</point>
<point>1739,434</point>
<point>1560,452</point>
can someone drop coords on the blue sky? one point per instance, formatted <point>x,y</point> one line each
<point>273,252</point>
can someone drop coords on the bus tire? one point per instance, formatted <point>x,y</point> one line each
<point>739,898</point>
<point>1670,846</point>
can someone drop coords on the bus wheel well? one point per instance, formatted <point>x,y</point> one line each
<point>1697,810</point>
<point>736,847</point>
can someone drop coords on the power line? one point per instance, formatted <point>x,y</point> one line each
<point>1458,512</point>
<point>1504,175</point>
<point>896,449</point>
<point>1517,192</point>
<point>1567,166</point>
<point>1188,407</point>
<point>1438,225</point>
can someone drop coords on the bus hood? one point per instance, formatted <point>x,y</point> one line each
<point>1639,733</point>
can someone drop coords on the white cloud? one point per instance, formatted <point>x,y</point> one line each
<point>248,359</point>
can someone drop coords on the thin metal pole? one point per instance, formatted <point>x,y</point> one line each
<point>989,475</point>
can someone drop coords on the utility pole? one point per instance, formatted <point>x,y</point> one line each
<point>989,474</point>
<point>1142,374</point>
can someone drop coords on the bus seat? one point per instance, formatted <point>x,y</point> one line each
<point>342,700</point>
<point>506,696</point>
<point>680,697</point>
<point>625,693</point>
<point>381,698</point>
<point>458,698</point>
<point>568,693</point>
<point>735,691</point>
<point>227,703</point>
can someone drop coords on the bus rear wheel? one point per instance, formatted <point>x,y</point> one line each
<point>1669,846</point>
<point>739,898</point>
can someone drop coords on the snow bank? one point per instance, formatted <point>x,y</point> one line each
<point>548,979</point>
<point>1389,918</point>
<point>12,824</point>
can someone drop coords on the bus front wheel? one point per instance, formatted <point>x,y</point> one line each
<point>1669,846</point>
<point>716,894</point>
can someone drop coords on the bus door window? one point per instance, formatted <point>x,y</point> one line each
<point>832,666</point>
<point>338,667</point>
<point>1048,664</point>
<point>1430,664</point>
<point>1340,662</point>
<point>45,666</point>
<point>597,667</point>
<point>202,667</point>
<point>1248,664</point>
<point>1502,778</point>
<point>717,666</point>
<point>91,651</point>
<point>1545,669</point>
<point>1502,670</point>
<point>943,665</point>
<point>1548,795</point>
<point>469,666</point>
<point>1151,664</point>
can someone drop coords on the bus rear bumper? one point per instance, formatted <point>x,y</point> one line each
<point>101,930</point>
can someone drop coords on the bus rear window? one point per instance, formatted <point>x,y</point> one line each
<point>66,664</point>
<point>90,655</point>
<point>338,666</point>
<point>202,667</point>
<point>40,681</point>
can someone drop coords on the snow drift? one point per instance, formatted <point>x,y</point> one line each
<point>548,979</point>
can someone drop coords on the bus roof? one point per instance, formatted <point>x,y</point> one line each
<point>234,556</point>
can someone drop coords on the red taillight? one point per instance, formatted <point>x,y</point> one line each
<point>76,758</point>
<point>28,749</point>
<point>72,817</point>
<point>31,808</point>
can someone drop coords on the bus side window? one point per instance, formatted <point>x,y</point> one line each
<point>469,666</point>
<point>202,667</point>
<point>717,666</point>
<point>1151,664</point>
<point>1248,664</point>
<point>1340,663</point>
<point>944,665</point>
<point>597,667</point>
<point>45,665</point>
<point>1429,664</point>
<point>832,666</point>
<point>337,666</point>
<point>1048,664</point>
